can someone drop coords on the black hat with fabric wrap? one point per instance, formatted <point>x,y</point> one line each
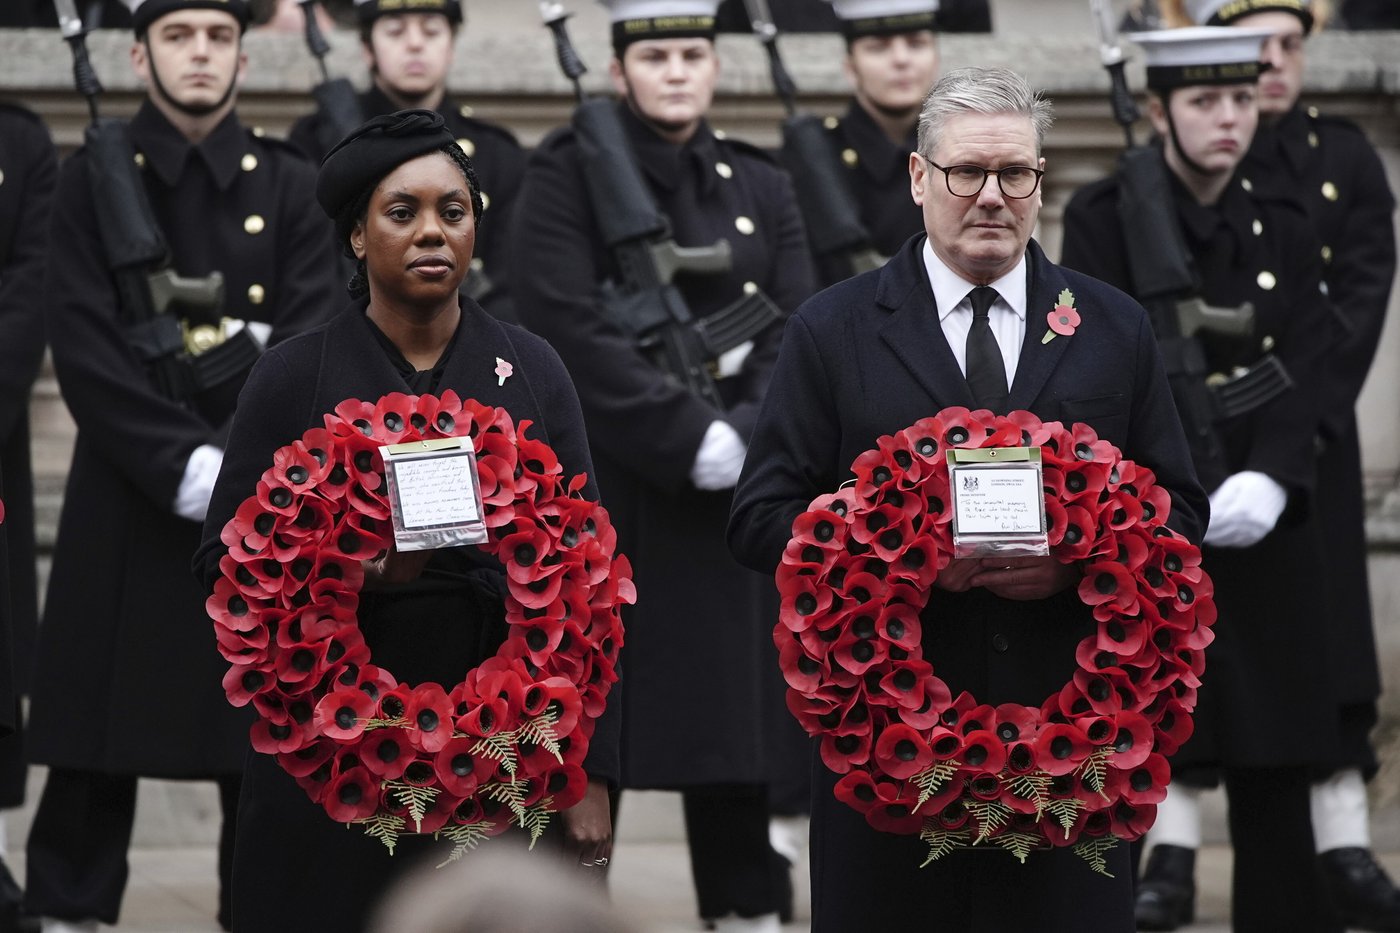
<point>635,20</point>
<point>1227,12</point>
<point>145,12</point>
<point>860,18</point>
<point>374,150</point>
<point>370,10</point>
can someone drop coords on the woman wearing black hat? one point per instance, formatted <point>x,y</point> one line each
<point>405,201</point>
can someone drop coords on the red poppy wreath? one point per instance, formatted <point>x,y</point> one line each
<point>1088,766</point>
<point>465,761</point>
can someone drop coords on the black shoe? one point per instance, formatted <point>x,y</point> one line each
<point>13,919</point>
<point>1361,892</point>
<point>1166,892</point>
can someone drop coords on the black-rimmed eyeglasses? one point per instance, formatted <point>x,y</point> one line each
<point>966,181</point>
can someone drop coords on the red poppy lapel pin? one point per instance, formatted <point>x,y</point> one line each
<point>1063,319</point>
<point>504,370</point>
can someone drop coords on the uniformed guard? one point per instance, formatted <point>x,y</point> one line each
<point>1262,716</point>
<point>28,172</point>
<point>408,47</point>
<point>150,360</point>
<point>1327,164</point>
<point>891,62</point>
<point>669,437</point>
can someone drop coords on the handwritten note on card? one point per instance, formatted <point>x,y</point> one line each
<point>436,491</point>
<point>997,500</point>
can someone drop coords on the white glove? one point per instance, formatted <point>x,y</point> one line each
<point>1244,509</point>
<point>731,362</point>
<point>197,485</point>
<point>720,458</point>
<point>256,329</point>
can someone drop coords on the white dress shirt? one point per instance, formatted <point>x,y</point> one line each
<point>1007,315</point>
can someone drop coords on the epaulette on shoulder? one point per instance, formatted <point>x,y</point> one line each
<point>16,110</point>
<point>483,128</point>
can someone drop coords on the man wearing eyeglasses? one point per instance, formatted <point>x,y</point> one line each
<point>959,317</point>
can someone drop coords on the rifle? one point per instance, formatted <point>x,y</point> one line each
<point>1165,282</point>
<point>138,256</point>
<point>335,97</point>
<point>643,300</point>
<point>829,207</point>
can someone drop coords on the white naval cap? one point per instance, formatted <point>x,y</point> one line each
<point>634,20</point>
<point>370,10</point>
<point>145,12</point>
<point>1226,12</point>
<point>1200,55</point>
<point>884,17</point>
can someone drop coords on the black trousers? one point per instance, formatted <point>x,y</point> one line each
<point>76,857</point>
<point>734,868</point>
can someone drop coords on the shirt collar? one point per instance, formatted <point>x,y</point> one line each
<point>950,289</point>
<point>166,149</point>
<point>667,164</point>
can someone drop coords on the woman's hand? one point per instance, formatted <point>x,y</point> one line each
<point>588,826</point>
<point>1024,577</point>
<point>395,567</point>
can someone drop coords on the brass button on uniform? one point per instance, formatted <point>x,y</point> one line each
<point>744,225</point>
<point>467,146</point>
<point>1267,280</point>
<point>1246,184</point>
<point>254,224</point>
<point>249,162</point>
<point>465,110</point>
<point>831,123</point>
<point>1267,343</point>
<point>1312,140</point>
<point>256,293</point>
<point>202,337</point>
<point>723,170</point>
<point>485,201</point>
<point>1314,112</point>
<point>1329,191</point>
<point>139,159</point>
<point>1326,254</point>
<point>1257,227</point>
<point>259,132</point>
<point>719,134</point>
<point>850,157</point>
<point>750,288</point>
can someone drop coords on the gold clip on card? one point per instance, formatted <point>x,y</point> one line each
<point>434,493</point>
<point>998,502</point>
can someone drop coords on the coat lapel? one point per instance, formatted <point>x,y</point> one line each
<point>1038,359</point>
<point>913,332</point>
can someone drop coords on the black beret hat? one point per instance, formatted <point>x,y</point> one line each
<point>145,12</point>
<point>374,150</point>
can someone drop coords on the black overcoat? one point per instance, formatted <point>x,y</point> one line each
<point>1265,700</point>
<point>499,162</point>
<point>128,678</point>
<point>1330,167</point>
<point>698,659</point>
<point>295,868</point>
<point>28,173</point>
<point>867,358</point>
<point>877,174</point>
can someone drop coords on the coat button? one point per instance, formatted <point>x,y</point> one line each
<point>1267,280</point>
<point>750,288</point>
<point>259,132</point>
<point>1000,643</point>
<point>850,157</point>
<point>831,123</point>
<point>744,225</point>
<point>256,293</point>
<point>1267,344</point>
<point>723,170</point>
<point>254,224</point>
<point>1329,191</point>
<point>1246,184</point>
<point>1314,112</point>
<point>1258,227</point>
<point>1326,254</point>
<point>465,110</point>
<point>2,176</point>
<point>1312,140</point>
<point>249,162</point>
<point>719,134</point>
<point>467,146</point>
<point>139,159</point>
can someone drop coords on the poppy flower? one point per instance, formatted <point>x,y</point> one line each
<point>387,752</point>
<point>342,714</point>
<point>1172,727</point>
<point>841,753</point>
<point>901,752</point>
<point>1063,320</point>
<point>1130,821</point>
<point>1145,783</point>
<point>1108,583</point>
<point>924,439</point>
<point>857,790</point>
<point>803,602</point>
<point>273,738</point>
<point>565,785</point>
<point>352,796</point>
<point>244,681</point>
<point>429,718</point>
<point>1060,748</point>
<point>1014,722</point>
<point>459,769</point>
<point>983,751</point>
<point>230,608</point>
<point>307,759</point>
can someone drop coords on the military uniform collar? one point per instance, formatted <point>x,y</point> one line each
<point>1289,137</point>
<point>1234,211</point>
<point>166,149</point>
<point>667,164</point>
<point>881,159</point>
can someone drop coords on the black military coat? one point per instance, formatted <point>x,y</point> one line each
<point>28,173</point>
<point>295,867</point>
<point>699,661</point>
<point>867,358</point>
<point>1328,165</point>
<point>499,162</point>
<point>1260,704</point>
<point>877,173</point>
<point>128,677</point>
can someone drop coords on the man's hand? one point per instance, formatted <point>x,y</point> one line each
<point>957,576</point>
<point>588,827</point>
<point>1023,577</point>
<point>395,567</point>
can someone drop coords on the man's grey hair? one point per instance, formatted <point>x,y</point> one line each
<point>981,90</point>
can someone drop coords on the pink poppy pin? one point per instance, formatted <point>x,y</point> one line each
<point>504,370</point>
<point>1063,319</point>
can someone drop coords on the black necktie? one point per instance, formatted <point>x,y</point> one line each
<point>986,371</point>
